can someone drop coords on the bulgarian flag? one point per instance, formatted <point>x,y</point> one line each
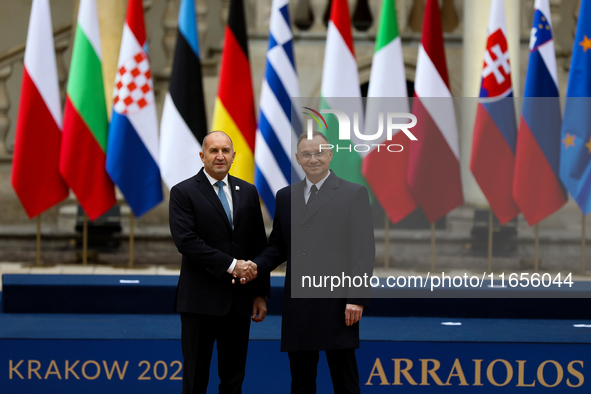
<point>386,171</point>
<point>84,141</point>
<point>434,159</point>
<point>35,165</point>
<point>234,105</point>
<point>340,80</point>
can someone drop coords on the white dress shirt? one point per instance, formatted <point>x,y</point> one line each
<point>309,186</point>
<point>228,194</point>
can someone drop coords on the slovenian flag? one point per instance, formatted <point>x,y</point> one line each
<point>132,150</point>
<point>495,128</point>
<point>84,141</point>
<point>35,165</point>
<point>575,154</point>
<point>183,124</point>
<point>434,159</point>
<point>340,79</point>
<point>279,121</point>
<point>386,171</point>
<point>234,105</point>
<point>537,188</point>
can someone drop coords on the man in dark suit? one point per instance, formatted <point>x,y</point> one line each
<point>216,224</point>
<point>324,223</point>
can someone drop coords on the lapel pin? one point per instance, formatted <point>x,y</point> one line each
<point>237,188</point>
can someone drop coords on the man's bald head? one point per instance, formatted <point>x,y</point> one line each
<point>214,132</point>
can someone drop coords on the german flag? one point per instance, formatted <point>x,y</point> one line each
<point>234,105</point>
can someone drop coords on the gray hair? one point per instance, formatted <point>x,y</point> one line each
<point>314,134</point>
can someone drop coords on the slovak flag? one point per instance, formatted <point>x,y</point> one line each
<point>495,129</point>
<point>132,150</point>
<point>537,188</point>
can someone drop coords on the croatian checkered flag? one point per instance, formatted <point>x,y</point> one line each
<point>132,151</point>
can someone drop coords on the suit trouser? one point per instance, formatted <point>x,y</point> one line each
<point>343,371</point>
<point>198,334</point>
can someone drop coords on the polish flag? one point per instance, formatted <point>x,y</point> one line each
<point>35,166</point>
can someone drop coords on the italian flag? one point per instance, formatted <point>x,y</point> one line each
<point>84,141</point>
<point>385,171</point>
<point>340,90</point>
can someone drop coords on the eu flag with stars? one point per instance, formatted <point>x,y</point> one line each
<point>575,151</point>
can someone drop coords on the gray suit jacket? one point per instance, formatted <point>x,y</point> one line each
<point>334,234</point>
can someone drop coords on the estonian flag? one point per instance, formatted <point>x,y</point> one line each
<point>183,124</point>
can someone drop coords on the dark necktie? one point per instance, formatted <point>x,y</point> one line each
<point>313,192</point>
<point>224,200</point>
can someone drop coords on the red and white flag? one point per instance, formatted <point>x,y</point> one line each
<point>35,167</point>
<point>434,159</point>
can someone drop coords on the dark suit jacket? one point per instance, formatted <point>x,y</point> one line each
<point>203,235</point>
<point>335,232</point>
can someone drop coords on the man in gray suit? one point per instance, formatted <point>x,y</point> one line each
<point>322,221</point>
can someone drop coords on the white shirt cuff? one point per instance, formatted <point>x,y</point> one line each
<point>231,268</point>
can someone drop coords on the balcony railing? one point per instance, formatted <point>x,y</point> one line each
<point>15,55</point>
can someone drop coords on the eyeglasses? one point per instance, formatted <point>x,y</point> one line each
<point>317,155</point>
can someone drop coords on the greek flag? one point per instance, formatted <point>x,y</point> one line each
<point>277,131</point>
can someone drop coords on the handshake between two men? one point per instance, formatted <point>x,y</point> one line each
<point>245,271</point>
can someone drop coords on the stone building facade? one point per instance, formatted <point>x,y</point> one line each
<point>464,23</point>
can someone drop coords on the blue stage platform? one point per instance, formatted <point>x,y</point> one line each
<point>132,294</point>
<point>140,353</point>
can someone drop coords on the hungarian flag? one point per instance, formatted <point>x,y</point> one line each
<point>434,160</point>
<point>183,124</point>
<point>537,188</point>
<point>35,166</point>
<point>340,90</point>
<point>385,171</point>
<point>234,105</point>
<point>86,126</point>
<point>495,129</point>
<point>132,150</point>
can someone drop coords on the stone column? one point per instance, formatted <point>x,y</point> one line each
<point>512,13</point>
<point>449,16</point>
<point>415,19</point>
<point>5,73</point>
<point>170,26</point>
<point>476,14</point>
<point>318,8</point>
<point>111,19</point>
